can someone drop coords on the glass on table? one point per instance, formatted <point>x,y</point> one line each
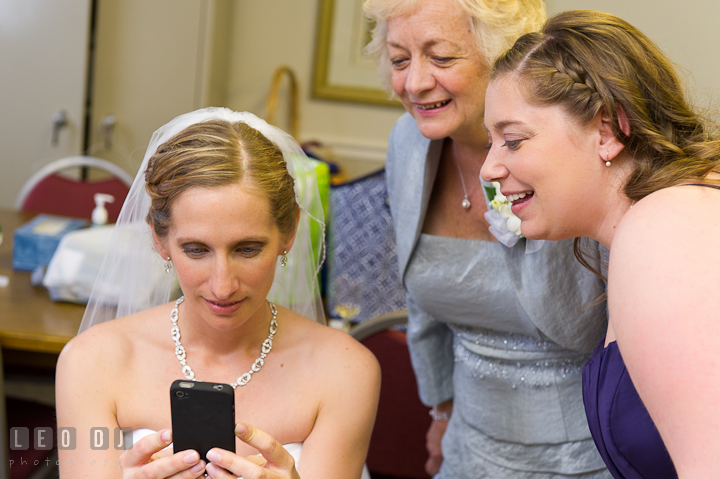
<point>348,298</point>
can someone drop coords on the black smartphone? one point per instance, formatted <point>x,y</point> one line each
<point>203,416</point>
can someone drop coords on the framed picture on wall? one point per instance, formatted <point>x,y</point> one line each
<point>342,71</point>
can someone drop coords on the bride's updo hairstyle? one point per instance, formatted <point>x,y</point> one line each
<point>218,153</point>
<point>585,61</point>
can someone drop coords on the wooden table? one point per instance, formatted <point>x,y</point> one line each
<point>33,328</point>
<point>29,320</point>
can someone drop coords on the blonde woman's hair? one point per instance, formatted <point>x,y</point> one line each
<point>495,24</point>
<point>218,153</point>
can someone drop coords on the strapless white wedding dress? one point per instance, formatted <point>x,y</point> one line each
<point>294,448</point>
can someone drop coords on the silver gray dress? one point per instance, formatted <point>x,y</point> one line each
<point>518,410</point>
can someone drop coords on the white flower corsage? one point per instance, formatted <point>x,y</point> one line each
<point>504,224</point>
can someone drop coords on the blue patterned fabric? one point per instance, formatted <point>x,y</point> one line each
<point>362,259</point>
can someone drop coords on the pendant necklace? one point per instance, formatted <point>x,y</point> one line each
<point>466,200</point>
<point>243,379</point>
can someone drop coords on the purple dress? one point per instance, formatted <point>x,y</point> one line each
<point>621,427</point>
<point>623,431</point>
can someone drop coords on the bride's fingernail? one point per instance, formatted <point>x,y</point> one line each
<point>165,436</point>
<point>213,456</point>
<point>240,429</point>
<point>211,469</point>
<point>198,467</point>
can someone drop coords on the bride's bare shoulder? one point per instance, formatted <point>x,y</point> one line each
<point>110,343</point>
<point>342,373</point>
<point>325,345</point>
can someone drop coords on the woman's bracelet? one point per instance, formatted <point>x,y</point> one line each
<point>439,415</point>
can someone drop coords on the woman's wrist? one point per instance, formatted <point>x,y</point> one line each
<point>439,414</point>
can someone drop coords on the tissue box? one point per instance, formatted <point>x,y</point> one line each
<point>35,242</point>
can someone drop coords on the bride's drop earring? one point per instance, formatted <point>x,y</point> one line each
<point>283,259</point>
<point>168,265</point>
<point>607,159</point>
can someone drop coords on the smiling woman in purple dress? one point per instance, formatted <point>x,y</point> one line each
<point>592,136</point>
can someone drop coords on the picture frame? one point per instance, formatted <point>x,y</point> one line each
<point>341,71</point>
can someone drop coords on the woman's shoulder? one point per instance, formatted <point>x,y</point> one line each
<point>674,214</point>
<point>110,343</point>
<point>408,152</point>
<point>687,191</point>
<point>670,233</point>
<point>325,345</point>
<point>406,135</point>
<point>404,125</point>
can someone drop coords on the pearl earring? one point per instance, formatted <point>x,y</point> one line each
<point>283,259</point>
<point>168,265</point>
<point>607,159</point>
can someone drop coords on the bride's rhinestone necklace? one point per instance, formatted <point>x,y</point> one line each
<point>245,378</point>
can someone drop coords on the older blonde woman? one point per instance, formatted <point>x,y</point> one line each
<point>498,333</point>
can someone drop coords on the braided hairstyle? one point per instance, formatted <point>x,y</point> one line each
<point>218,153</point>
<point>586,61</point>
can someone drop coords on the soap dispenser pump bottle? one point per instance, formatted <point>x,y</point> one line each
<point>100,214</point>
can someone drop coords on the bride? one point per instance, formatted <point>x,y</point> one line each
<point>224,205</point>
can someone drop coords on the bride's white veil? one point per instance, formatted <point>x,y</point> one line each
<point>132,277</point>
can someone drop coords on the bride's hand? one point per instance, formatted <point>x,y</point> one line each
<point>275,462</point>
<point>145,460</point>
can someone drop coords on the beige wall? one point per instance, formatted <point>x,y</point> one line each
<point>269,33</point>
<point>687,31</point>
<point>147,70</point>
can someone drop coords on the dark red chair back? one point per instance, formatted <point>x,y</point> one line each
<point>60,195</point>
<point>397,446</point>
<point>26,463</point>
